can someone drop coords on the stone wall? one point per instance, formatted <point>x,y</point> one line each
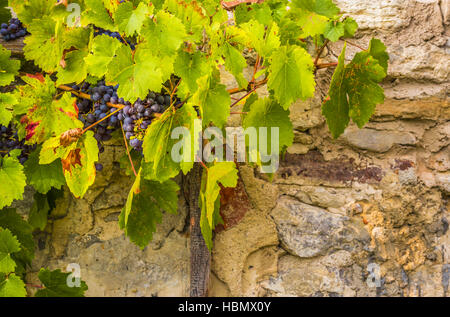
<point>374,199</point>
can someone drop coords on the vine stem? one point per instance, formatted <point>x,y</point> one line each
<point>128,151</point>
<point>86,96</point>
<point>95,123</point>
<point>34,285</point>
<point>174,90</point>
<point>320,52</point>
<point>356,45</point>
<point>326,65</point>
<point>248,93</point>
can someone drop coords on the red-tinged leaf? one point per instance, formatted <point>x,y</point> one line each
<point>37,76</point>
<point>44,116</point>
<point>77,157</point>
<point>31,130</point>
<point>71,160</point>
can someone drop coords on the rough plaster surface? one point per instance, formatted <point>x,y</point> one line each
<point>376,197</point>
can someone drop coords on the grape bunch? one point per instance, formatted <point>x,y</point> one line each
<point>116,35</point>
<point>9,141</point>
<point>137,118</point>
<point>91,111</point>
<point>133,118</point>
<point>12,30</point>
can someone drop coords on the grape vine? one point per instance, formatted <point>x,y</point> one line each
<point>135,70</point>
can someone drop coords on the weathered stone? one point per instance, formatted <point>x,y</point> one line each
<point>308,231</point>
<point>377,141</point>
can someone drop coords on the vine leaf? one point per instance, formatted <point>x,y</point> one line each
<point>9,68</point>
<point>130,20</point>
<point>8,244</point>
<point>12,221</point>
<point>213,100</point>
<point>350,27</point>
<point>221,174</point>
<point>190,67</point>
<point>12,286</point>
<point>5,13</point>
<point>235,63</point>
<point>103,50</point>
<point>378,51</point>
<point>291,75</point>
<point>143,210</point>
<point>260,12</point>
<point>43,177</point>
<point>78,154</point>
<point>264,42</point>
<point>75,70</point>
<point>158,144</point>
<point>137,74</point>
<point>79,165</point>
<point>55,283</point>
<point>97,14</point>
<point>28,10</point>
<point>322,7</point>
<point>45,44</point>
<point>39,212</point>
<point>191,15</point>
<point>268,113</point>
<point>354,92</point>
<point>51,117</point>
<point>6,100</point>
<point>334,31</point>
<point>12,180</point>
<point>166,34</point>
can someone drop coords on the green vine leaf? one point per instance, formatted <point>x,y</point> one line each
<point>166,34</point>
<point>103,50</point>
<point>322,7</point>
<point>378,51</point>
<point>8,244</point>
<point>213,100</point>
<point>221,174</point>
<point>143,210</point>
<point>9,68</point>
<point>11,220</point>
<point>75,70</point>
<point>334,31</point>
<point>190,67</point>
<point>45,44</point>
<point>291,75</point>
<point>158,144</point>
<point>138,74</point>
<point>129,19</point>
<point>7,100</point>
<point>354,92</point>
<point>39,212</point>
<point>12,286</point>
<point>97,14</point>
<point>13,180</point>
<point>269,114</point>
<point>55,283</point>
<point>191,15</point>
<point>43,177</point>
<point>28,10</point>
